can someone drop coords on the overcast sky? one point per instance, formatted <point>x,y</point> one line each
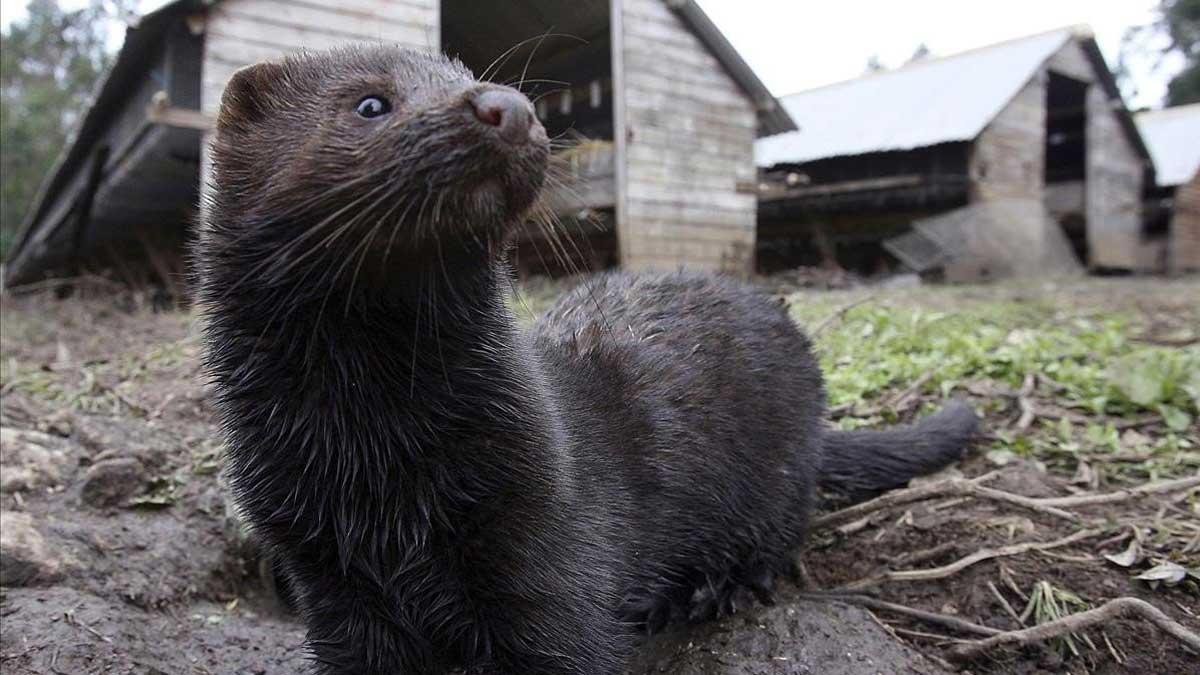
<point>798,44</point>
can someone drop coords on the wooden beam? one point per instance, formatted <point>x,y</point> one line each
<point>160,111</point>
<point>772,191</point>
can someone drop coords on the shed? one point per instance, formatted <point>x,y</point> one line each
<point>666,111</point>
<point>1173,136</point>
<point>1036,120</point>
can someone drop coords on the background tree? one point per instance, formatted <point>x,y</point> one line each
<point>919,54</point>
<point>50,61</point>
<point>1177,32</point>
<point>1182,23</point>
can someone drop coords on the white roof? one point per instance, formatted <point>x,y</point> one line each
<point>921,104</point>
<point>1173,138</point>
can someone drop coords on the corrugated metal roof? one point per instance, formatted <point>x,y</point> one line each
<point>1173,136</point>
<point>921,104</point>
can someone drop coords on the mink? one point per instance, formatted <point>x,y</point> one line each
<point>445,488</point>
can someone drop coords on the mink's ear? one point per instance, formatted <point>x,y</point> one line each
<point>248,97</point>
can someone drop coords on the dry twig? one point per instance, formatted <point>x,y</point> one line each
<point>839,313</point>
<point>1004,603</point>
<point>1074,623</point>
<point>949,487</point>
<point>965,562</point>
<point>1177,485</point>
<point>869,602</point>
<point>1028,413</point>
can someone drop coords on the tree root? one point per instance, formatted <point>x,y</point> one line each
<point>953,622</point>
<point>963,563</point>
<point>1160,487</point>
<point>945,488</point>
<point>1072,623</point>
<point>1052,506</point>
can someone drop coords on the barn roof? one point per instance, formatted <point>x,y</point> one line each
<point>925,103</point>
<point>1173,136</point>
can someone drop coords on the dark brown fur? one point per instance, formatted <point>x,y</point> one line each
<point>445,489</point>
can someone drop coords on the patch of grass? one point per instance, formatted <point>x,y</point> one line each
<point>1089,368</point>
<point>1047,603</point>
<point>875,349</point>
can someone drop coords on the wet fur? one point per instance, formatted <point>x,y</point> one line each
<point>444,488</point>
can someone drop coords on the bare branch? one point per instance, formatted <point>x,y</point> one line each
<point>1109,611</point>
<point>963,563</point>
<point>946,620</point>
<point>1177,485</point>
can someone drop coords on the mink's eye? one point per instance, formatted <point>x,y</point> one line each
<point>373,106</point>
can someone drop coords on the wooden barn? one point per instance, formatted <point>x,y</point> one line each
<point>665,111</point>
<point>1173,210</point>
<point>1032,134</point>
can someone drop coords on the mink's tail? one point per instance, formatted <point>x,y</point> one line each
<point>863,463</point>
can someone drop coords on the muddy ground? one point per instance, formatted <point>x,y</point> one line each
<point>121,554</point>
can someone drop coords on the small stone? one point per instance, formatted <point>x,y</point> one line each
<point>25,559</point>
<point>31,459</point>
<point>57,424</point>
<point>111,482</point>
<point>1001,457</point>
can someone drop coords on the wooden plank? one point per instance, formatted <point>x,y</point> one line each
<point>689,253</point>
<point>641,62</point>
<point>236,52</point>
<point>620,102</point>
<point>675,180</point>
<point>648,10</point>
<point>714,175</point>
<point>697,103</point>
<point>726,200</point>
<point>776,191</point>
<point>678,57</point>
<point>1184,240</point>
<point>699,125</point>
<point>400,24</point>
<point>228,22</point>
<point>698,215</point>
<point>705,144</point>
<point>414,13</point>
<point>672,34</point>
<point>658,158</point>
<point>699,233</point>
<point>679,88</point>
<point>161,112</point>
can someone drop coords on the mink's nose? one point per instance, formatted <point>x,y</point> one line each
<point>506,110</point>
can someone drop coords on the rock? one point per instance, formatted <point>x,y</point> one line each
<point>794,637</point>
<point>31,459</point>
<point>111,482</point>
<point>25,559</point>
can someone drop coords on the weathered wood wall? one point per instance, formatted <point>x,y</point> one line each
<point>1114,176</point>
<point>1008,158</point>
<point>1114,193</point>
<point>240,32</point>
<point>1184,242</point>
<point>686,186</point>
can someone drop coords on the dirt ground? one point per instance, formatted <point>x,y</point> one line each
<point>121,553</point>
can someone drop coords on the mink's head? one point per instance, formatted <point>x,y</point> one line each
<point>378,155</point>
